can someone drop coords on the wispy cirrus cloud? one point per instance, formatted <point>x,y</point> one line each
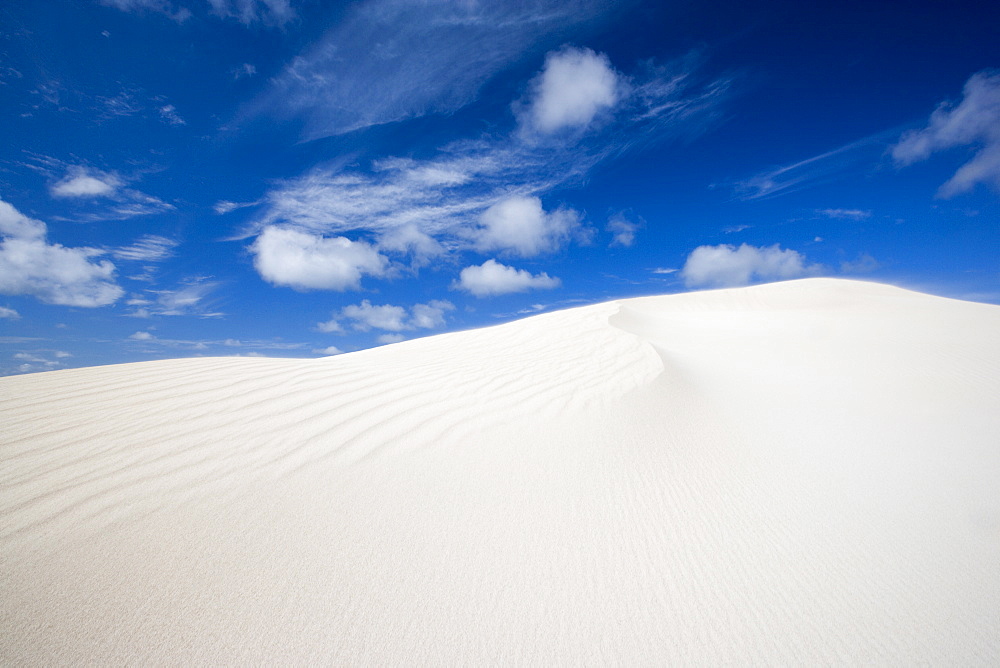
<point>164,7</point>
<point>484,194</point>
<point>148,248</point>
<point>390,60</point>
<point>187,299</point>
<point>845,214</point>
<point>248,347</point>
<point>818,169</point>
<point>247,12</point>
<point>974,121</point>
<point>93,194</point>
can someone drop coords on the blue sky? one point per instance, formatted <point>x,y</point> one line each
<point>298,178</point>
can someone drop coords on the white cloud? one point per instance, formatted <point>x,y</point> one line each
<point>520,225</point>
<point>439,205</point>
<point>822,167</point>
<point>622,229</point>
<point>271,12</point>
<point>492,278</point>
<point>168,113</point>
<point>141,336</point>
<point>728,266</point>
<point>304,261</point>
<point>574,87</point>
<point>33,361</point>
<point>409,239</point>
<point>975,121</point>
<point>185,300</point>
<point>9,313</point>
<point>244,70</point>
<point>52,273</point>
<point>331,326</point>
<point>848,214</point>
<point>103,192</point>
<point>366,316</point>
<point>430,315</point>
<point>664,270</point>
<point>390,338</point>
<point>165,7</point>
<point>409,59</point>
<point>149,248</point>
<point>83,182</point>
<point>225,206</point>
<point>864,264</point>
<point>329,350</point>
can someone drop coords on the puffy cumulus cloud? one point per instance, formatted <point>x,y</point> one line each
<point>9,313</point>
<point>622,229</point>
<point>329,350</point>
<point>728,266</point>
<point>304,261</point>
<point>421,246</point>
<point>51,273</point>
<point>365,316</point>
<point>141,336</point>
<point>492,278</point>
<point>975,121</point>
<point>390,338</point>
<point>430,315</point>
<point>83,182</point>
<point>574,87</point>
<point>520,226</point>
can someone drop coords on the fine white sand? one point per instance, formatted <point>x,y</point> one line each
<point>798,473</point>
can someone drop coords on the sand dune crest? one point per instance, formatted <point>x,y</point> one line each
<point>802,472</point>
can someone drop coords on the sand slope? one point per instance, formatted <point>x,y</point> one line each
<point>796,473</point>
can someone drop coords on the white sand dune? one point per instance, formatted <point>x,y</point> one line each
<point>801,473</point>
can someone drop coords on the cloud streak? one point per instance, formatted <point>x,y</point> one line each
<point>390,60</point>
<point>974,121</point>
<point>484,194</point>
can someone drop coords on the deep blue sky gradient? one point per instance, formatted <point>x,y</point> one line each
<point>83,86</point>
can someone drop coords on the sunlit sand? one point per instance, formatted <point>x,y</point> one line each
<point>796,473</point>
